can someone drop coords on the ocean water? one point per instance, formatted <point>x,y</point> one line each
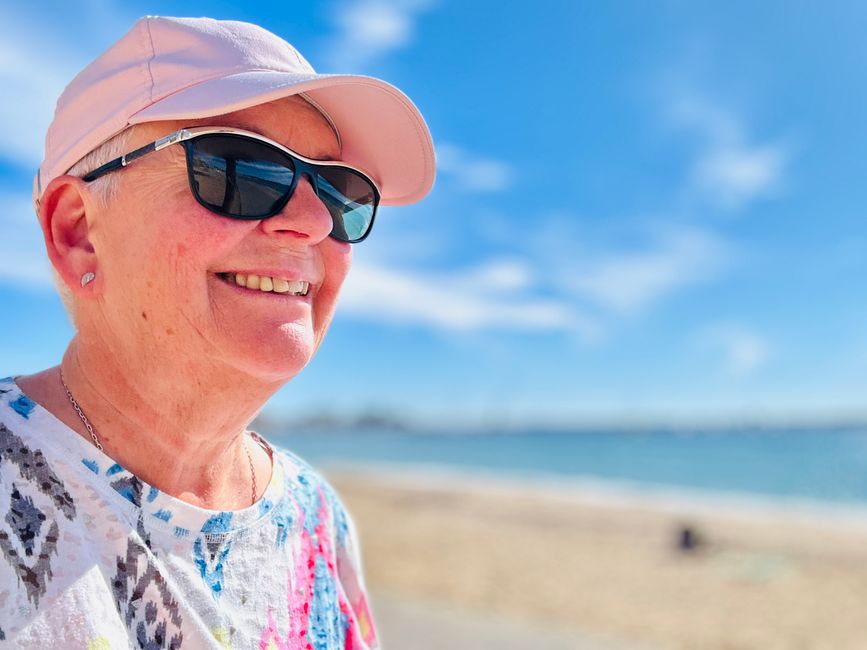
<point>823,466</point>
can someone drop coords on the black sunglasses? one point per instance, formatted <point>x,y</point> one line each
<point>243,175</point>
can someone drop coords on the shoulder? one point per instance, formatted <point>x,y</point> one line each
<point>29,470</point>
<point>37,512</point>
<point>314,494</point>
<point>320,505</point>
<point>22,455</point>
<point>14,405</point>
<point>24,452</point>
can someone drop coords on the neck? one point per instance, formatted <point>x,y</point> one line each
<point>178,424</point>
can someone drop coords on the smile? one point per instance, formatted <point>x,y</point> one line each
<point>266,284</point>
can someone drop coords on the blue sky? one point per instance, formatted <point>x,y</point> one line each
<point>643,210</point>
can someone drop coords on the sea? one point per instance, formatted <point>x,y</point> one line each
<point>813,467</point>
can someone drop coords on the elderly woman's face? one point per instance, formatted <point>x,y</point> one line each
<point>161,256</point>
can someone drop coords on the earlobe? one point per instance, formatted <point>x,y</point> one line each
<point>65,213</point>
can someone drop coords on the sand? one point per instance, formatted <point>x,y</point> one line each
<point>607,566</point>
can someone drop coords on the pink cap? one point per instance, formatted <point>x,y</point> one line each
<point>185,68</point>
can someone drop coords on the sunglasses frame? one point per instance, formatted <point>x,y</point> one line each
<point>303,166</point>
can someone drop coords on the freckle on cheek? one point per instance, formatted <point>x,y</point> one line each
<point>169,331</point>
<point>144,315</point>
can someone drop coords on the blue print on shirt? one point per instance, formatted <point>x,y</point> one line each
<point>283,518</point>
<point>23,406</point>
<point>339,515</point>
<point>308,499</point>
<point>91,465</point>
<point>114,469</point>
<point>327,624</point>
<point>210,551</point>
<point>218,523</point>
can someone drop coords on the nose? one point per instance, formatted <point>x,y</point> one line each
<point>304,216</point>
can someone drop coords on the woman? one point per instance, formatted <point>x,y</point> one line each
<point>136,509</point>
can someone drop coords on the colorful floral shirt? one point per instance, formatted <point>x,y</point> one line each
<point>93,557</point>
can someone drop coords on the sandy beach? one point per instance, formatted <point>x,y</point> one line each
<point>597,569</point>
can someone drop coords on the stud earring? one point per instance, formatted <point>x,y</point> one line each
<point>87,278</point>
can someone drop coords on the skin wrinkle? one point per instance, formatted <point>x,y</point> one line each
<point>173,409</point>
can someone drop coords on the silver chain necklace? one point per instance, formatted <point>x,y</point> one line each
<point>98,444</point>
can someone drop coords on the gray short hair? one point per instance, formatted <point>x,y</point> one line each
<point>104,188</point>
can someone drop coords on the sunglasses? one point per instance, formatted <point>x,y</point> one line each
<point>243,175</point>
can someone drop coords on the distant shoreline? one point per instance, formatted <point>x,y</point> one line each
<point>610,493</point>
<point>384,423</point>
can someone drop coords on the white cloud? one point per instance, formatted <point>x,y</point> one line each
<point>370,29</point>
<point>561,289</point>
<point>42,58</point>
<point>730,170</point>
<point>632,281</point>
<point>23,260</point>
<point>743,351</point>
<point>737,175</point>
<point>501,276</point>
<point>486,297</point>
<point>471,172</point>
<point>35,82</point>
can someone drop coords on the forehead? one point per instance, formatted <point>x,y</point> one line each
<point>291,121</point>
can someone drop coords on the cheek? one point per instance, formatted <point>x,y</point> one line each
<point>195,238</point>
<point>165,254</point>
<point>337,259</point>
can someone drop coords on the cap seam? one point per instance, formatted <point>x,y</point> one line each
<point>153,53</point>
<point>196,82</point>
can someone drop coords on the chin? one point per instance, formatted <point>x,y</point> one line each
<point>272,370</point>
<point>275,363</point>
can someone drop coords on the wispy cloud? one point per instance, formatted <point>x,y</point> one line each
<point>35,82</point>
<point>743,350</point>
<point>548,288</point>
<point>731,170</point>
<point>43,57</point>
<point>489,296</point>
<point>620,267</point>
<point>367,30</point>
<point>23,260</point>
<point>634,280</point>
<point>470,172</point>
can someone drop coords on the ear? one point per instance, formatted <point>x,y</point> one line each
<point>66,213</point>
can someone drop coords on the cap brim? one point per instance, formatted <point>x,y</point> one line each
<point>381,130</point>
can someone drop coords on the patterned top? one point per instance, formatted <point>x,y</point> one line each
<point>93,557</point>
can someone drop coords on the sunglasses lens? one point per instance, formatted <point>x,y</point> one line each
<point>351,200</point>
<point>238,177</point>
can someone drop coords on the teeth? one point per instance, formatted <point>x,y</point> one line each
<point>298,287</point>
<point>267,284</point>
<point>281,286</point>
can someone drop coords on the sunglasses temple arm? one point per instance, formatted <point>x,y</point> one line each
<point>117,163</point>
